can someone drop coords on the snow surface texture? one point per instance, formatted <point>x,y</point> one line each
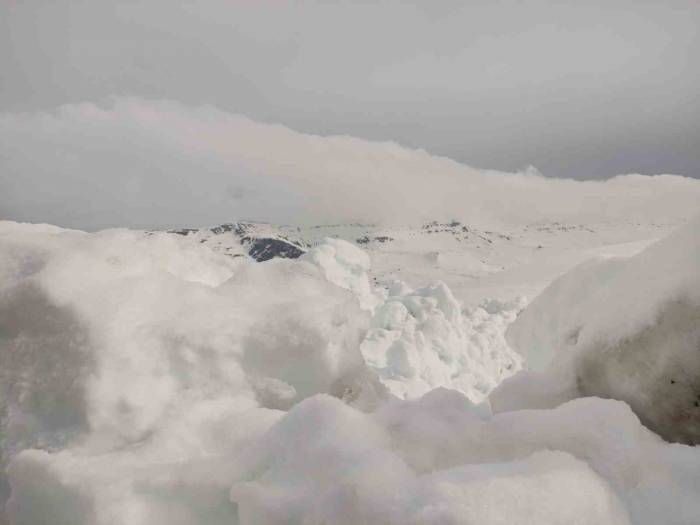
<point>623,328</point>
<point>146,379</point>
<point>420,339</point>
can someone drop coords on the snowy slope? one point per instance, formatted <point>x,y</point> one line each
<point>626,328</point>
<point>477,263</point>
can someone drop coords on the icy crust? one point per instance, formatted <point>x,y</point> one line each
<point>624,328</point>
<point>421,339</point>
<point>147,380</point>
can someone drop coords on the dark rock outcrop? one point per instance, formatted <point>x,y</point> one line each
<point>264,249</point>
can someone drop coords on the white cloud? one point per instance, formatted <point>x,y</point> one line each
<point>583,90</point>
<point>147,163</point>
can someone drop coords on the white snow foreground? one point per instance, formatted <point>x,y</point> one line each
<point>145,379</point>
<point>622,328</point>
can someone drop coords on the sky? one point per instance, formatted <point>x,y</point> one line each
<point>577,89</point>
<point>581,90</point>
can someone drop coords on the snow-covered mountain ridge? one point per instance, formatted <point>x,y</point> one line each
<point>478,263</point>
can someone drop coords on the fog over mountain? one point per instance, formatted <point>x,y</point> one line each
<point>144,163</point>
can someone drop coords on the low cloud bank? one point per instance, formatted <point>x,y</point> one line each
<point>143,163</point>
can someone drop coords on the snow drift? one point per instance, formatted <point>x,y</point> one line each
<point>621,328</point>
<point>148,380</point>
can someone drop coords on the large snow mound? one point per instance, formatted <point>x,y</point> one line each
<point>336,465</point>
<point>623,328</point>
<point>122,338</point>
<point>147,380</point>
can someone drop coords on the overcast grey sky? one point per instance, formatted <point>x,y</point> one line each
<point>577,89</point>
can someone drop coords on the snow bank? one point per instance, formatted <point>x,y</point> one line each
<point>626,329</point>
<point>122,339</point>
<point>325,462</point>
<point>146,380</point>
